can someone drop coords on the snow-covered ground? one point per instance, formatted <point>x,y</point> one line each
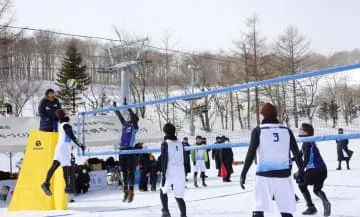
<point>218,199</point>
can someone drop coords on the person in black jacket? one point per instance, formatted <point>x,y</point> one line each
<point>343,151</point>
<point>315,172</point>
<point>273,143</point>
<point>82,180</point>
<point>215,156</point>
<point>148,169</point>
<point>47,107</point>
<point>144,169</point>
<point>187,163</point>
<point>173,172</point>
<point>128,162</point>
<point>226,157</point>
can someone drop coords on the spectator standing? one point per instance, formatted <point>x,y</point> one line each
<point>47,107</point>
<point>343,151</point>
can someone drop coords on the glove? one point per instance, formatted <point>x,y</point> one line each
<point>296,175</point>
<point>82,147</point>
<point>299,177</point>
<point>114,104</point>
<point>242,181</point>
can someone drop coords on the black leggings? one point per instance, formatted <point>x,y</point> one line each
<point>128,166</point>
<point>315,177</point>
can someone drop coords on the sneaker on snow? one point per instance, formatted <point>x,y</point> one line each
<point>327,208</point>
<point>126,195</point>
<point>310,211</point>
<point>131,196</point>
<point>46,188</point>
<point>165,214</point>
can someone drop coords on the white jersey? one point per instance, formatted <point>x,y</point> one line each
<point>175,154</point>
<point>63,147</point>
<point>175,172</point>
<point>273,152</point>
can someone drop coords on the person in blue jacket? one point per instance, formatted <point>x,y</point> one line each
<point>128,162</point>
<point>315,172</point>
<point>47,107</point>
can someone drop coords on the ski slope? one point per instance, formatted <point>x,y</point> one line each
<point>218,199</point>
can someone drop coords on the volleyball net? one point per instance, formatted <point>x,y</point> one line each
<point>328,98</point>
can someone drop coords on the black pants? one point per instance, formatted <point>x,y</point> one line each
<point>82,187</point>
<point>144,180</point>
<point>153,178</point>
<point>143,183</point>
<point>315,177</point>
<point>128,166</point>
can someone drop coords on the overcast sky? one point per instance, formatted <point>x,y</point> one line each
<point>331,25</point>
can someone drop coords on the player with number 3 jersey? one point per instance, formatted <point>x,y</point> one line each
<point>272,143</point>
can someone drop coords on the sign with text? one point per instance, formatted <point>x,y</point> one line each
<point>98,131</point>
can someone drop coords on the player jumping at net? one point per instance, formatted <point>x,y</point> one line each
<point>315,172</point>
<point>128,162</point>
<point>173,172</point>
<point>272,142</point>
<point>62,152</point>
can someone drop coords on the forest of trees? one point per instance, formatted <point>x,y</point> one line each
<point>29,58</point>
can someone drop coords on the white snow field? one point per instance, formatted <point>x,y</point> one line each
<point>218,199</point>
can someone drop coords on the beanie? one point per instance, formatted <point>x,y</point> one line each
<point>308,128</point>
<point>169,129</point>
<point>268,110</point>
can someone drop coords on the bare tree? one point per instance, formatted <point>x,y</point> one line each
<point>20,92</point>
<point>6,15</point>
<point>292,50</point>
<point>254,46</point>
<point>309,90</point>
<point>47,46</point>
<point>347,96</point>
<point>96,96</point>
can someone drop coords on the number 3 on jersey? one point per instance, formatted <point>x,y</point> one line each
<point>276,137</point>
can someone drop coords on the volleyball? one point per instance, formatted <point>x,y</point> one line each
<point>71,84</point>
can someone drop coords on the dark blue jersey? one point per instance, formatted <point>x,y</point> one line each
<point>127,139</point>
<point>312,156</point>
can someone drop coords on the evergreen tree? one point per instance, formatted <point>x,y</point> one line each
<point>333,111</point>
<point>72,68</point>
<point>323,111</point>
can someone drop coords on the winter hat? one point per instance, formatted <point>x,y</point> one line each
<point>134,118</point>
<point>198,137</point>
<point>169,129</point>
<point>268,110</point>
<point>341,130</point>
<point>307,128</point>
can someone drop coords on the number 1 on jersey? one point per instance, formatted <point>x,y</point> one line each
<point>276,137</point>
